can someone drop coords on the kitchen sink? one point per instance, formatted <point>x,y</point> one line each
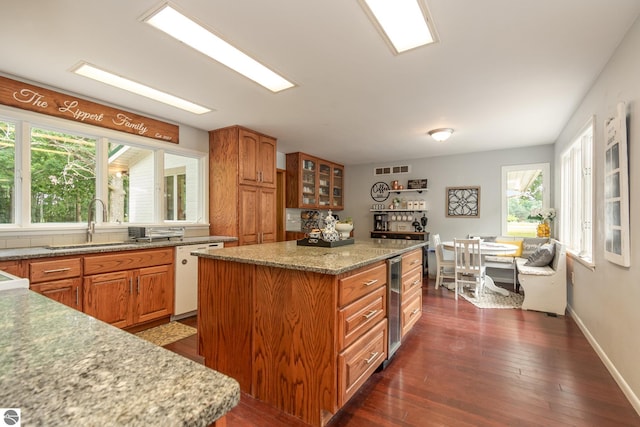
<point>85,245</point>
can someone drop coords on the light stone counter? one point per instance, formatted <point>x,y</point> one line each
<point>332,261</point>
<point>44,252</point>
<point>62,367</point>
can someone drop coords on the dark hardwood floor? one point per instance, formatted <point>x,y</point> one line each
<point>464,366</point>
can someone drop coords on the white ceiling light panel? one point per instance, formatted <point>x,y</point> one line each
<point>405,24</point>
<point>182,28</point>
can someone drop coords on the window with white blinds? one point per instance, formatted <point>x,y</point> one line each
<point>576,195</point>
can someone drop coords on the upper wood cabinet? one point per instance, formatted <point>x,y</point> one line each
<point>257,159</point>
<point>314,183</point>
<point>242,184</point>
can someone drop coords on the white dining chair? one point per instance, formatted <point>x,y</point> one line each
<point>445,268</point>
<point>468,265</point>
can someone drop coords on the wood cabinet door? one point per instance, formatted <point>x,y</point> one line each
<point>248,215</point>
<point>12,267</point>
<point>267,225</point>
<point>267,162</point>
<point>67,292</point>
<point>107,297</point>
<point>337,187</point>
<point>324,184</point>
<point>153,290</point>
<point>248,149</point>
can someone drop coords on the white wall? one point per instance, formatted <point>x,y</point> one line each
<point>474,169</point>
<point>605,301</point>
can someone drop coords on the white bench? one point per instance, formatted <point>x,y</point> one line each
<point>545,288</point>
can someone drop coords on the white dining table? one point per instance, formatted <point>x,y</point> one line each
<point>490,248</point>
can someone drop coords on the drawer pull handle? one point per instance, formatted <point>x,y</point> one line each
<point>370,314</point>
<point>416,282</point>
<point>372,358</point>
<point>415,261</point>
<point>416,311</point>
<point>371,282</point>
<point>57,270</point>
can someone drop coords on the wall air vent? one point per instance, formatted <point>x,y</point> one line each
<point>391,170</point>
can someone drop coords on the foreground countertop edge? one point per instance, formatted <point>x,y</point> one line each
<point>312,259</point>
<point>12,254</point>
<point>62,367</point>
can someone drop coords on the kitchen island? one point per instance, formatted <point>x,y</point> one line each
<point>299,327</point>
<point>62,367</point>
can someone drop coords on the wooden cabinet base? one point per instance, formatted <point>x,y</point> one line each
<point>276,332</point>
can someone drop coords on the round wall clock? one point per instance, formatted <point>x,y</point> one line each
<point>380,191</point>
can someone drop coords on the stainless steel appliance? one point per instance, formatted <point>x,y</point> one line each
<point>394,315</point>
<point>186,280</point>
<point>155,233</point>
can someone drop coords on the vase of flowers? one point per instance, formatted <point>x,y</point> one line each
<point>545,216</point>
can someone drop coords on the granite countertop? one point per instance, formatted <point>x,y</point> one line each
<point>62,367</point>
<point>43,252</point>
<point>333,261</point>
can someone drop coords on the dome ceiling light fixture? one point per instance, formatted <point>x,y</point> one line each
<point>440,134</point>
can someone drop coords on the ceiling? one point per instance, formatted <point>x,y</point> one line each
<point>504,74</point>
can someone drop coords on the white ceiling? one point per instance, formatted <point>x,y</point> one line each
<point>506,73</point>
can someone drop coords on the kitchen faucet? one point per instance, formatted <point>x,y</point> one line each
<point>91,224</point>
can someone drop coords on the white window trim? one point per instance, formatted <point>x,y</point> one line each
<point>545,183</point>
<point>26,119</point>
<point>568,234</point>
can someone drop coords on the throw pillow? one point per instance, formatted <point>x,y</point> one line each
<point>542,256</point>
<point>517,243</point>
<point>530,244</point>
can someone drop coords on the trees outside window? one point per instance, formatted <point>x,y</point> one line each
<point>63,176</point>
<point>525,188</point>
<point>62,167</point>
<point>7,171</point>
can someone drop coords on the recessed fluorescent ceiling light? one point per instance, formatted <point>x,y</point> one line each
<point>187,31</point>
<point>88,70</point>
<point>404,23</point>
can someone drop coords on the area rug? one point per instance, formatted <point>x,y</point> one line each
<point>490,299</point>
<point>167,333</point>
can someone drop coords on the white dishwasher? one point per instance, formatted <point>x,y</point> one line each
<point>186,280</point>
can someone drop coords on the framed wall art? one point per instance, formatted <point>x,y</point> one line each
<point>616,189</point>
<point>463,202</point>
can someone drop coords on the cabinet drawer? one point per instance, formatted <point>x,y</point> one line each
<point>411,260</point>
<point>411,312</point>
<point>359,284</point>
<point>360,360</point>
<point>127,260</point>
<point>411,280</point>
<point>358,317</point>
<point>44,271</point>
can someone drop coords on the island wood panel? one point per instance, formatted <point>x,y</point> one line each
<point>294,346</point>
<point>225,312</point>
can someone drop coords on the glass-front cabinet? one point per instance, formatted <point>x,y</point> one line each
<point>337,186</point>
<point>313,183</point>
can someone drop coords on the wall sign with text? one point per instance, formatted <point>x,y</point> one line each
<point>33,98</point>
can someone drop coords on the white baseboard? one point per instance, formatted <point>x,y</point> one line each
<point>628,392</point>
